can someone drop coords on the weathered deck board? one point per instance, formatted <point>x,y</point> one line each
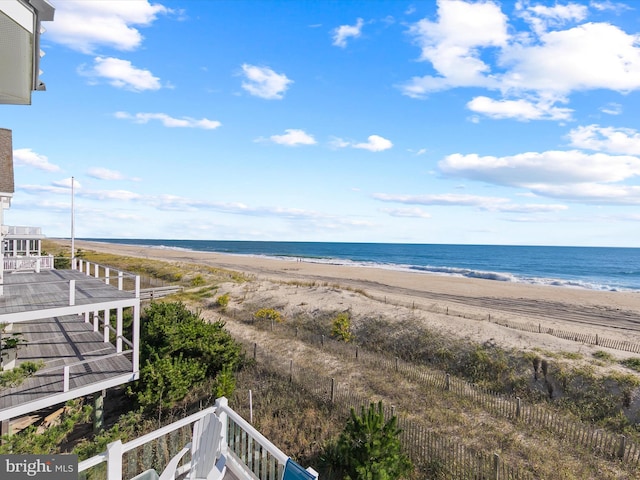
<point>50,289</point>
<point>60,340</point>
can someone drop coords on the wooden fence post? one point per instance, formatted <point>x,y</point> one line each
<point>356,351</point>
<point>496,466</point>
<point>597,339</point>
<point>255,350</point>
<point>447,382</point>
<point>333,390</point>
<point>622,447</point>
<point>518,406</point>
<point>322,340</point>
<point>396,364</point>
<point>290,371</point>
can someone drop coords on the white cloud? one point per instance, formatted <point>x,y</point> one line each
<point>533,70</point>
<point>451,199</point>
<point>121,74</point>
<point>104,174</point>
<point>593,193</point>
<point>452,45</point>
<point>263,82</point>
<point>27,157</point>
<point>337,142</point>
<point>616,7</point>
<point>494,204</point>
<point>530,208</point>
<point>606,139</point>
<point>375,143</point>
<point>612,109</point>
<point>589,56</point>
<point>406,212</point>
<point>66,183</point>
<point>39,189</point>
<point>169,121</point>
<point>110,195</point>
<point>85,26</point>
<point>522,109</point>
<point>542,17</point>
<point>293,137</point>
<point>343,32</point>
<point>533,168</point>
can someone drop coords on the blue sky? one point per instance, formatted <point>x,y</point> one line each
<point>512,122</point>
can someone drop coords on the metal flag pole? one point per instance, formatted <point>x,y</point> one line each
<point>73,250</point>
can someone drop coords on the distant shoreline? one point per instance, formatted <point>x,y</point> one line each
<point>570,267</point>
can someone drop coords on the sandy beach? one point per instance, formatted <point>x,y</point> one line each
<point>455,305</point>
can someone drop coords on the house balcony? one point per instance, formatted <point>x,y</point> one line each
<point>74,322</point>
<point>237,451</point>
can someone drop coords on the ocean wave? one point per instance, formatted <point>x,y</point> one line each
<point>461,272</point>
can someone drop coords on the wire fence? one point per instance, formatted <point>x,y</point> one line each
<point>568,429</point>
<point>430,451</point>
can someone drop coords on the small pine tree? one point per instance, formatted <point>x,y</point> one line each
<point>369,447</point>
<point>225,382</point>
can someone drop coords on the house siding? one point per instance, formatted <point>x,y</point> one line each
<point>6,162</point>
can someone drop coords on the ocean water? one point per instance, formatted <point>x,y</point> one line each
<point>596,268</point>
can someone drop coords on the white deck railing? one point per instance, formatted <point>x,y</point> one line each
<point>25,231</point>
<point>250,455</point>
<point>31,263</point>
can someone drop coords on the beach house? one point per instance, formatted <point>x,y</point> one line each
<point>75,332</point>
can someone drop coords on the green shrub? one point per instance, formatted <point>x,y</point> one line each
<point>341,327</point>
<point>179,350</point>
<point>268,314</point>
<point>166,380</point>
<point>222,301</point>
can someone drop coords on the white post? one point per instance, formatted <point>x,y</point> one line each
<point>221,403</point>
<point>65,379</point>
<point>86,317</point>
<point>107,280</point>
<point>88,272</point>
<point>136,337</point>
<point>96,268</point>
<point>114,460</point>
<point>107,321</point>
<point>137,286</point>
<point>73,249</point>
<point>119,330</point>
<point>72,292</point>
<point>96,321</point>
<point>38,265</point>
<point>120,278</point>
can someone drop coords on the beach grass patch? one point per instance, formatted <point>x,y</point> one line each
<point>571,355</point>
<point>632,363</point>
<point>603,356</point>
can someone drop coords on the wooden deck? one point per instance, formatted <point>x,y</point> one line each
<point>30,291</point>
<point>38,305</point>
<point>58,342</point>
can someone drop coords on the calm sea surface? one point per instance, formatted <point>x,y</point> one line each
<point>596,268</point>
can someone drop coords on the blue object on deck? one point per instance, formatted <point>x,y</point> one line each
<point>293,471</point>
